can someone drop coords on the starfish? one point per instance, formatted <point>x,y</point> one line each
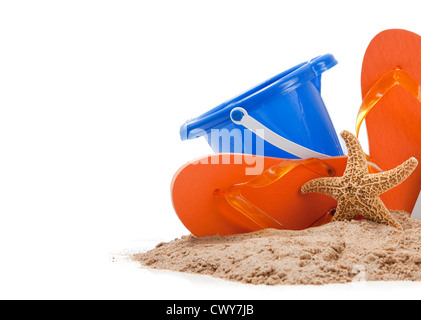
<point>357,191</point>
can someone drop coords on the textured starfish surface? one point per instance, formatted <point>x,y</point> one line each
<point>357,191</point>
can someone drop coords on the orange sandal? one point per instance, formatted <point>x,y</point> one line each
<point>211,197</point>
<point>390,83</point>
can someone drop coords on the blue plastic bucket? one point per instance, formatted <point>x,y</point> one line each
<point>283,117</point>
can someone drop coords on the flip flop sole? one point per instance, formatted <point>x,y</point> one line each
<point>199,193</point>
<point>393,125</point>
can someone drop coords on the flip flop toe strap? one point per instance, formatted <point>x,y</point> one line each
<point>264,220</point>
<point>397,77</point>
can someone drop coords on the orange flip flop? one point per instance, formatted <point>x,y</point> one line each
<point>215,195</point>
<point>390,83</point>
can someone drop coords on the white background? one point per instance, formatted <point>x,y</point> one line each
<point>92,94</point>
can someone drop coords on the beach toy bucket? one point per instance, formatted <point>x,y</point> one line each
<point>283,117</point>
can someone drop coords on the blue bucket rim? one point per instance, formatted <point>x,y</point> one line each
<point>282,83</point>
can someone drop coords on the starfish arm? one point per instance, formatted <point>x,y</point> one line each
<point>326,186</point>
<point>381,182</point>
<point>357,160</point>
<point>343,212</point>
<point>378,212</point>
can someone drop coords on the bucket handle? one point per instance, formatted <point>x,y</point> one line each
<point>241,117</point>
<point>396,77</point>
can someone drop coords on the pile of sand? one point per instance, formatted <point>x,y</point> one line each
<point>334,253</point>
